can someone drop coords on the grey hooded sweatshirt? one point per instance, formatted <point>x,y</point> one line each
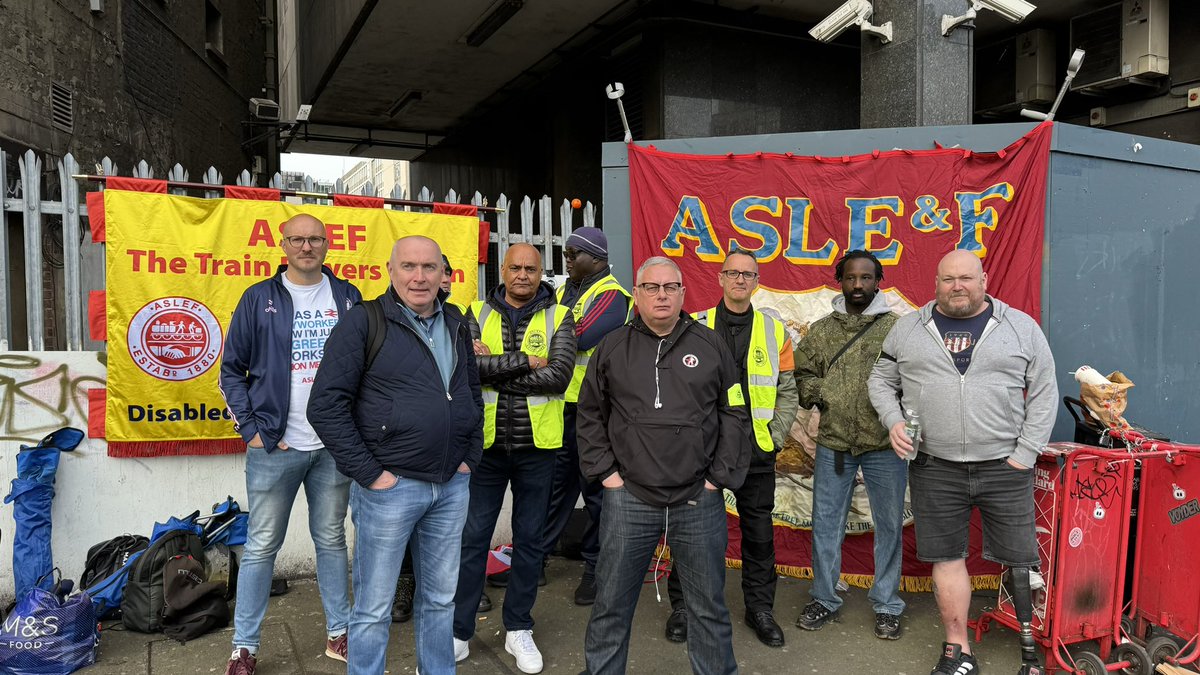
<point>1003,407</point>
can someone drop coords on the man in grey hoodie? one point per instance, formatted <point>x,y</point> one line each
<point>980,376</point>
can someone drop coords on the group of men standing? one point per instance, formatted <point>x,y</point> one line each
<point>420,415</point>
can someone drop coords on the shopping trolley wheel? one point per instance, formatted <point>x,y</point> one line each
<point>1138,658</point>
<point>1159,648</point>
<point>1089,663</point>
<point>1128,625</point>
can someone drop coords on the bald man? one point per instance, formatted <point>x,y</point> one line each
<point>525,343</point>
<point>275,343</point>
<point>980,377</point>
<point>398,403</point>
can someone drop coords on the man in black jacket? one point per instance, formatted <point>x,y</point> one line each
<point>525,344</point>
<point>663,424</point>
<point>406,428</point>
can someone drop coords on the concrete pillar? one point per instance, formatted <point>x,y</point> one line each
<point>920,78</point>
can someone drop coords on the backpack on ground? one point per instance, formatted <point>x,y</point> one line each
<point>142,606</point>
<point>109,556</point>
<point>107,593</point>
<point>192,605</point>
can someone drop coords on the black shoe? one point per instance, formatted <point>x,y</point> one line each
<point>955,662</point>
<point>279,587</point>
<point>499,579</point>
<point>887,626</point>
<point>585,592</point>
<point>677,626</point>
<point>769,633</point>
<point>815,616</point>
<point>403,604</point>
<point>485,604</point>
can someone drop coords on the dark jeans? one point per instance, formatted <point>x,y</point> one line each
<point>569,482</point>
<point>629,531</point>
<point>529,472</point>
<point>755,501</point>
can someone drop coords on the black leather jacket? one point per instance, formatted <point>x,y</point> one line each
<point>509,373</point>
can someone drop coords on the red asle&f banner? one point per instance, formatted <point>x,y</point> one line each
<point>801,214</point>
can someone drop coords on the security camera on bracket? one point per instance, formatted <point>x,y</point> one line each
<point>851,13</point>
<point>1013,10</point>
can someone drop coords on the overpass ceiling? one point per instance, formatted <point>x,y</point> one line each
<point>418,49</point>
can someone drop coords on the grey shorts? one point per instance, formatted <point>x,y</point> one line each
<point>943,494</point>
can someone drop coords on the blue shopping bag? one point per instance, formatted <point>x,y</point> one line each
<point>47,634</point>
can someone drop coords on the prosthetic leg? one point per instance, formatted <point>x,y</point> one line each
<point>1022,596</point>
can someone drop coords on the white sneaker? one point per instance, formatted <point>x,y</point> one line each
<point>462,649</point>
<point>520,644</point>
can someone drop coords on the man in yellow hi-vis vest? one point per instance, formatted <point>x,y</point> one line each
<point>600,305</point>
<point>525,347</point>
<point>763,352</point>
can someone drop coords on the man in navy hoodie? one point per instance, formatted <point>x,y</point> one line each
<point>275,343</point>
<point>407,428</point>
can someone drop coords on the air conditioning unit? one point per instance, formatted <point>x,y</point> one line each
<point>1126,43</point>
<point>1014,73</point>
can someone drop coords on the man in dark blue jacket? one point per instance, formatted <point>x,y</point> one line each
<point>407,428</point>
<point>275,343</point>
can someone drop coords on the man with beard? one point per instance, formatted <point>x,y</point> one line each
<point>525,346</point>
<point>599,305</point>
<point>832,366</point>
<point>980,376</point>
<point>663,425</point>
<point>763,352</point>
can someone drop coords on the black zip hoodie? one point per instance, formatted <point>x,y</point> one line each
<point>657,411</point>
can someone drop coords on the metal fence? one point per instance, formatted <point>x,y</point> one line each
<point>38,202</point>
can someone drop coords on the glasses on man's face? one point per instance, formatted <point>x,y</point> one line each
<point>653,289</point>
<point>732,275</point>
<point>572,254</point>
<point>298,242</point>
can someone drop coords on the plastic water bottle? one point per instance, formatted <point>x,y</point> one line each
<point>912,429</point>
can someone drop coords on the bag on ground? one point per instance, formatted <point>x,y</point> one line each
<point>142,604</point>
<point>49,633</point>
<point>193,605</point>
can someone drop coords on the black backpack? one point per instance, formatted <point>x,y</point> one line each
<point>376,329</point>
<point>142,606</point>
<point>193,605</point>
<point>107,557</point>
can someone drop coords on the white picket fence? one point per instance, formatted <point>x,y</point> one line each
<point>23,197</point>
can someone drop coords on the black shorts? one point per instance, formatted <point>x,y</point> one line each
<point>944,492</point>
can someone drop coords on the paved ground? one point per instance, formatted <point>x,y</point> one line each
<point>293,638</point>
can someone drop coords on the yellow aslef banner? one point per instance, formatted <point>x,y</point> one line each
<point>176,268</point>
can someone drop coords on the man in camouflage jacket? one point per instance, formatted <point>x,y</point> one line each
<point>832,365</point>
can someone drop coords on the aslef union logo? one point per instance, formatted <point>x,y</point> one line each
<point>174,338</point>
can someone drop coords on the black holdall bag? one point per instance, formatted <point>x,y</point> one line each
<point>193,605</point>
<point>108,556</point>
<point>142,606</point>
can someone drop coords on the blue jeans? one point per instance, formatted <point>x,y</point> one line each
<point>530,472</point>
<point>885,475</point>
<point>272,479</point>
<point>384,522</point>
<point>629,531</point>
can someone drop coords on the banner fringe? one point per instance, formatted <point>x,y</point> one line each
<point>223,446</point>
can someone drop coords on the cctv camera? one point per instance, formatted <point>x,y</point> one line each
<point>264,109</point>
<point>851,13</point>
<point>1012,10</point>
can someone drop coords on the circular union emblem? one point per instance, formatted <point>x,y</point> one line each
<point>537,341</point>
<point>1076,537</point>
<point>760,356</point>
<point>174,338</point>
<point>691,361</point>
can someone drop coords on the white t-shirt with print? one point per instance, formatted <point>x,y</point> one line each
<point>314,314</point>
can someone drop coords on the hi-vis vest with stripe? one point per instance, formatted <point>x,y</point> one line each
<point>762,370</point>
<point>545,412</point>
<point>582,305</point>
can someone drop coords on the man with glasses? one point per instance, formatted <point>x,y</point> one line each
<point>600,305</point>
<point>663,425</point>
<point>276,341</point>
<point>763,352</point>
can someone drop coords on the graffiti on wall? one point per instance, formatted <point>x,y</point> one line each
<point>44,391</point>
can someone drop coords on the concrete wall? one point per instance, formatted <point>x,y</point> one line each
<point>1122,229</point>
<point>98,497</point>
